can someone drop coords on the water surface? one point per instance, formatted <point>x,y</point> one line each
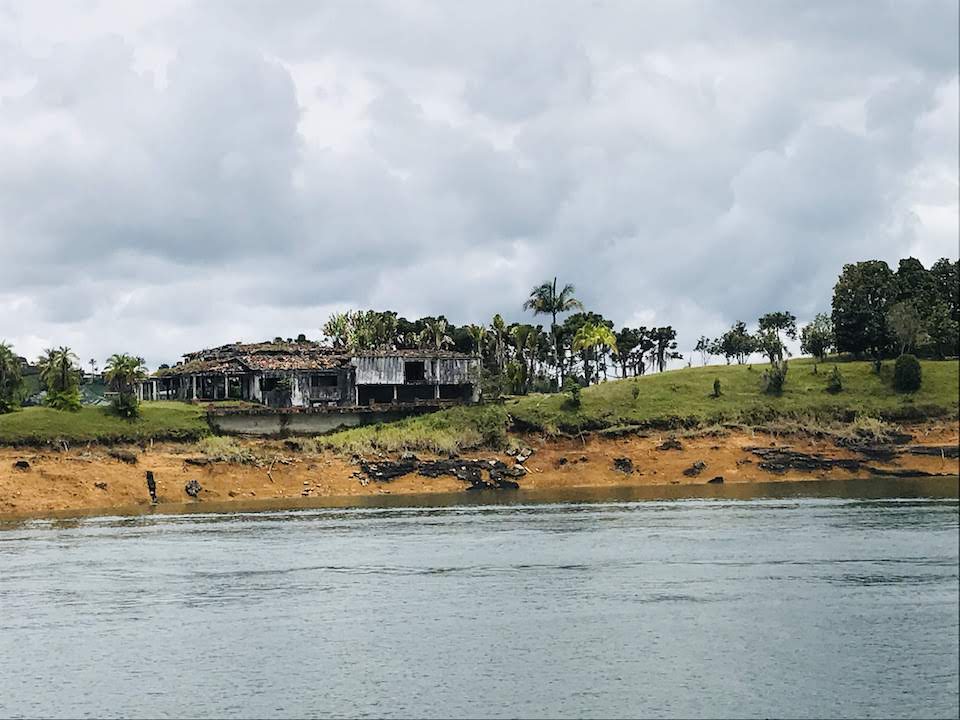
<point>812,603</point>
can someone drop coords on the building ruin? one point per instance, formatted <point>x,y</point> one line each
<point>308,375</point>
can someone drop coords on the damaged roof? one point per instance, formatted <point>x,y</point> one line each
<point>240,358</point>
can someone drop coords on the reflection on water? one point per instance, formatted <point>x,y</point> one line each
<point>809,600</point>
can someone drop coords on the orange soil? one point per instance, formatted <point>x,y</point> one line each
<point>67,480</point>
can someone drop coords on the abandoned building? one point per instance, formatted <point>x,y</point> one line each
<point>308,375</point>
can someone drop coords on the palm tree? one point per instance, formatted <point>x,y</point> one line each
<point>11,379</point>
<point>498,332</point>
<point>435,334</point>
<point>590,337</point>
<point>478,333</point>
<point>123,371</point>
<point>58,368</point>
<point>545,300</point>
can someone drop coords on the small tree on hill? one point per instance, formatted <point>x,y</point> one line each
<point>816,338</point>
<point>122,373</point>
<point>905,322</point>
<point>11,379</point>
<point>60,374</point>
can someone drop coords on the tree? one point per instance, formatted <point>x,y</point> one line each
<point>914,283</point>
<point>59,373</point>
<point>591,336</point>
<point>905,323</point>
<point>435,334</point>
<point>862,296</point>
<point>816,338</point>
<point>705,347</point>
<point>122,373</point>
<point>337,330</point>
<point>478,335</point>
<point>737,343</point>
<point>665,346</point>
<point>11,379</point>
<point>628,341</point>
<point>943,331</point>
<point>783,321</point>
<point>545,300</point>
<point>498,336</point>
<point>769,343</point>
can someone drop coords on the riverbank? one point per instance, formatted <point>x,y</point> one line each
<point>96,479</point>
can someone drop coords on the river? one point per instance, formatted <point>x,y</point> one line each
<point>810,600</point>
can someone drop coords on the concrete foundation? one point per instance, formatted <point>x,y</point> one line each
<point>284,424</point>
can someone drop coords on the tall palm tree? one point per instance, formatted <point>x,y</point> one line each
<point>58,368</point>
<point>123,370</point>
<point>478,334</point>
<point>545,300</point>
<point>498,333</point>
<point>590,337</point>
<point>11,378</point>
<point>435,334</point>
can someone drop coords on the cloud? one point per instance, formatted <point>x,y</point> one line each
<point>181,175</point>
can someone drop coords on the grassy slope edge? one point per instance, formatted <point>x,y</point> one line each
<point>159,421</point>
<point>678,398</point>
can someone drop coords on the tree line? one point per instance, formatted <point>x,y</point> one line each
<point>876,312</point>
<point>583,347</point>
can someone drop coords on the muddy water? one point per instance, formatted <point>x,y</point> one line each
<point>807,600</point>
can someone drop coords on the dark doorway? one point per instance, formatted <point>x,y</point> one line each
<point>413,372</point>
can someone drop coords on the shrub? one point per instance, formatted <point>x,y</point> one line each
<point>571,386</point>
<point>716,388</point>
<point>774,378</point>
<point>126,405</point>
<point>835,381</point>
<point>635,391</point>
<point>68,399</point>
<point>907,374</point>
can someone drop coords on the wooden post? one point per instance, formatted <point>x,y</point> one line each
<point>394,393</point>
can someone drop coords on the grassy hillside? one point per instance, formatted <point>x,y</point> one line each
<point>679,398</point>
<point>160,420</point>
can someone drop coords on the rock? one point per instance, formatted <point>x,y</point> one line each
<point>518,470</point>
<point>100,485</point>
<point>670,444</point>
<point>511,452</point>
<point>583,458</point>
<point>779,460</point>
<point>233,493</point>
<point>524,454</point>
<point>946,451</point>
<point>192,488</point>
<point>562,461</point>
<point>718,480</point>
<point>123,456</point>
<point>624,465</point>
<point>408,457</point>
<point>21,465</point>
<point>151,486</point>
<point>698,467</point>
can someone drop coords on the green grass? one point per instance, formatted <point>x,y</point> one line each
<point>675,399</point>
<point>159,421</point>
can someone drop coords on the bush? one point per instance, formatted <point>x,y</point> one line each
<point>571,386</point>
<point>63,399</point>
<point>126,405</point>
<point>907,374</point>
<point>774,378</point>
<point>716,388</point>
<point>835,381</point>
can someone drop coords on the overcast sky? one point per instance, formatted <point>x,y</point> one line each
<point>175,175</point>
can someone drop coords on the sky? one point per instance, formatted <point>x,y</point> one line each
<point>176,175</point>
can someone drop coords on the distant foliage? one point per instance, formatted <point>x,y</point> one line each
<point>11,379</point>
<point>816,338</point>
<point>774,378</point>
<point>907,374</point>
<point>835,381</point>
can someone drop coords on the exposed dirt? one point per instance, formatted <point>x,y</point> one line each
<point>90,479</point>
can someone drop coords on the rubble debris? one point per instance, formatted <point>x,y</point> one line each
<point>100,485</point>
<point>904,472</point>
<point>21,465</point>
<point>123,456</point>
<point>670,444</point>
<point>192,488</point>
<point>718,480</point>
<point>524,454</point>
<point>779,460</point>
<point>198,461</point>
<point>624,465</point>
<point>698,467</point>
<point>876,452</point>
